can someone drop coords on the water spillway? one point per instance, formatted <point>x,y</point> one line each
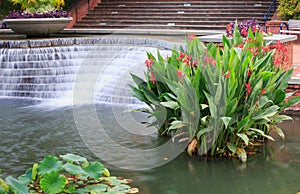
<point>54,68</point>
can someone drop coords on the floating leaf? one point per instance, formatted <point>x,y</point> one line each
<point>73,158</point>
<point>94,170</point>
<point>50,163</point>
<point>74,169</point>
<point>26,178</point>
<point>98,188</point>
<point>53,182</point>
<point>121,188</point>
<point>16,186</point>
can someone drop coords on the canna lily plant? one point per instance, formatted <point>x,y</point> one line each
<point>69,174</point>
<point>223,100</point>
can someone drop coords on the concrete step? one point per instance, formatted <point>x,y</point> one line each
<point>165,14</point>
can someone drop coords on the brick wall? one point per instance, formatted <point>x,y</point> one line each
<point>83,8</point>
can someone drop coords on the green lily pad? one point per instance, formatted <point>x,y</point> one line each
<point>50,163</point>
<point>121,188</point>
<point>16,186</point>
<point>53,182</point>
<point>94,169</point>
<point>26,178</point>
<point>74,169</point>
<point>113,181</point>
<point>73,158</point>
<point>97,188</point>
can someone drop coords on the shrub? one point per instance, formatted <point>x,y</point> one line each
<point>289,9</point>
<point>224,101</point>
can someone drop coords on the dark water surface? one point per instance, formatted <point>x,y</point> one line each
<point>28,132</point>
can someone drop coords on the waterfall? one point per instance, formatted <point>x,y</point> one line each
<point>92,69</point>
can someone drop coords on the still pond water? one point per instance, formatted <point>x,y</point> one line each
<point>28,132</point>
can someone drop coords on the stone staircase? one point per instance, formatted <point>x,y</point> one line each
<point>167,14</point>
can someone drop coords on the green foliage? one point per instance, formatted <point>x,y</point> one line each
<point>5,7</point>
<point>72,174</point>
<point>228,99</point>
<point>289,9</point>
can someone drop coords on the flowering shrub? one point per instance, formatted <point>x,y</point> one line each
<point>243,27</point>
<point>289,9</point>
<point>52,14</point>
<point>223,101</point>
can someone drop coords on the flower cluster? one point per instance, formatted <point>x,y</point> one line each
<point>244,27</point>
<point>52,14</point>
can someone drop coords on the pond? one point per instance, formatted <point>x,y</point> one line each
<point>29,130</point>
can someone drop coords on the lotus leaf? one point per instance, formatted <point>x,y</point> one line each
<point>53,182</point>
<point>50,163</point>
<point>94,170</point>
<point>74,169</point>
<point>16,186</point>
<point>73,158</point>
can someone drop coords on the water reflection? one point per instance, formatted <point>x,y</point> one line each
<point>28,133</point>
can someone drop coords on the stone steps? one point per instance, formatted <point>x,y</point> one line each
<point>189,14</point>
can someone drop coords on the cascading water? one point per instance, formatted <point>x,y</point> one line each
<point>97,68</point>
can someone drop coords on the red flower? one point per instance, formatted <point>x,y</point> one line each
<point>149,63</point>
<point>277,61</point>
<point>179,74</point>
<point>249,73</point>
<point>191,36</point>
<point>227,75</point>
<point>244,32</point>
<point>152,77</point>
<point>240,46</point>
<point>263,91</point>
<point>187,60</point>
<point>181,56</point>
<point>248,88</point>
<point>254,28</point>
<point>279,45</point>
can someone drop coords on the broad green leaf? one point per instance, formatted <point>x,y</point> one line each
<point>50,163</point>
<point>203,131</point>
<point>26,178</point>
<point>265,114</point>
<point>232,147</point>
<point>291,102</point>
<point>97,187</point>
<point>170,104</point>
<point>74,169</point>
<point>242,154</point>
<point>280,118</point>
<point>16,186</point>
<point>93,169</point>
<point>278,131</point>
<point>73,158</point>
<point>226,120</point>
<point>177,124</point>
<point>121,188</point>
<point>243,123</point>
<point>244,137</point>
<point>113,181</point>
<point>260,132</point>
<point>53,182</point>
